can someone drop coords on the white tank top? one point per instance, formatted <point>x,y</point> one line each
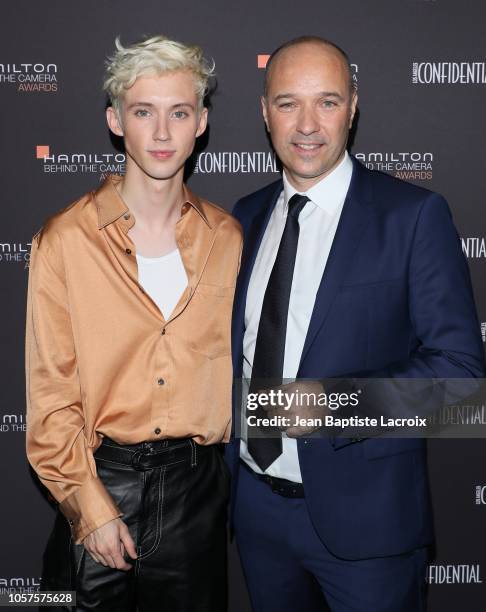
<point>163,279</point>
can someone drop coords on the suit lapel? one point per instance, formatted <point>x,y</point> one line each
<point>354,217</point>
<point>255,230</point>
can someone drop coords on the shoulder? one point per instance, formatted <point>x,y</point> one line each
<point>251,203</point>
<point>384,185</point>
<point>391,195</point>
<point>61,224</point>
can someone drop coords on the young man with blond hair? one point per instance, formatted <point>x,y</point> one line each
<point>128,357</point>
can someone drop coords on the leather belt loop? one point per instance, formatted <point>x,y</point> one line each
<point>193,454</point>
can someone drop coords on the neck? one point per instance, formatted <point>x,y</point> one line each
<point>153,202</point>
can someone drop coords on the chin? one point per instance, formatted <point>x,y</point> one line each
<point>309,173</point>
<point>161,174</point>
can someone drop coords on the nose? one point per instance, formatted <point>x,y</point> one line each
<point>307,122</point>
<point>161,129</point>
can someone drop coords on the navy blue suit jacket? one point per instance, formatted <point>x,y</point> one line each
<point>395,300</point>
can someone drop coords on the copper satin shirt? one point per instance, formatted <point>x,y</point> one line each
<point>101,359</point>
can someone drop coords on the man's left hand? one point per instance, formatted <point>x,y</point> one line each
<point>304,413</point>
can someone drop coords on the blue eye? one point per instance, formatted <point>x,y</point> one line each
<point>142,113</point>
<point>180,114</point>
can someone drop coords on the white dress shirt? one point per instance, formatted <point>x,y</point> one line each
<point>318,222</point>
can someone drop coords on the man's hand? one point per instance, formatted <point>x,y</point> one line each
<point>305,415</point>
<point>108,544</point>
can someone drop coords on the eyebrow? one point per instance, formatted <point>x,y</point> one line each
<point>322,94</point>
<point>188,104</point>
<point>139,104</point>
<point>150,105</point>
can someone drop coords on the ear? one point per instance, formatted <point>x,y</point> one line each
<point>263,101</point>
<point>203,122</point>
<point>354,105</point>
<point>113,121</point>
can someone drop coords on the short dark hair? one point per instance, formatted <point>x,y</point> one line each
<point>303,40</point>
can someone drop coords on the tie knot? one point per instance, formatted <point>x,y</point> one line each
<point>296,204</point>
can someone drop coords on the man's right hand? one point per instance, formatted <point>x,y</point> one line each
<point>108,543</point>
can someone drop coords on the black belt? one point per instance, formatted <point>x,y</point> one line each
<point>285,488</point>
<point>149,455</point>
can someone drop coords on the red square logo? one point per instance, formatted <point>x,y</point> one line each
<point>262,60</point>
<point>41,151</point>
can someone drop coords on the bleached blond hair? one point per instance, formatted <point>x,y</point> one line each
<point>154,56</point>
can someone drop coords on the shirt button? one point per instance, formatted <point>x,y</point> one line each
<point>157,431</point>
<point>126,217</point>
<point>160,381</point>
<point>162,333</point>
<point>128,251</point>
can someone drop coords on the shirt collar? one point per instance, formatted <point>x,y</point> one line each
<point>111,207</point>
<point>329,192</point>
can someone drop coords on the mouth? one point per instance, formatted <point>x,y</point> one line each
<point>162,154</point>
<point>307,147</point>
<point>308,150</point>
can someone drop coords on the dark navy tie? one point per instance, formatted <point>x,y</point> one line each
<point>268,360</point>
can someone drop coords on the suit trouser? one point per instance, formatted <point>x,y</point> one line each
<point>288,567</point>
<point>176,515</point>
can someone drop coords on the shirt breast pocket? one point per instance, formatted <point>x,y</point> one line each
<point>214,290</point>
<point>211,333</point>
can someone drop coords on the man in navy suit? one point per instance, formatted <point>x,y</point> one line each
<point>343,271</point>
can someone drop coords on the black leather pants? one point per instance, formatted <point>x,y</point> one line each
<point>176,514</point>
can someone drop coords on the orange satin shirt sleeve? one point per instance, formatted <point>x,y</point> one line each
<point>56,444</point>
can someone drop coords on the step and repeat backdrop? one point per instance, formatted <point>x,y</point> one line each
<point>420,66</point>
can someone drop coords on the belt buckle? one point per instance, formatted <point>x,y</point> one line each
<point>137,456</point>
